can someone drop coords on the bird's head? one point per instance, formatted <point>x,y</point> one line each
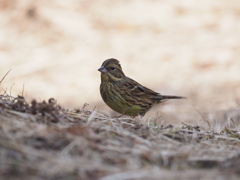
<point>111,71</point>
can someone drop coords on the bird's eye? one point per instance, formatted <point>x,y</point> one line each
<point>112,68</point>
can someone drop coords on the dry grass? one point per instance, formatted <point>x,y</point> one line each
<point>41,140</point>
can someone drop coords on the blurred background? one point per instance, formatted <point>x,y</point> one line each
<point>187,48</point>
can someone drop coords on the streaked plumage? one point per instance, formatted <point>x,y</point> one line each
<point>125,95</point>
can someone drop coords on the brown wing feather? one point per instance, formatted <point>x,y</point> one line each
<point>139,90</point>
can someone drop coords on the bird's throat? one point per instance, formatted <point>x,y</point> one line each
<point>107,77</point>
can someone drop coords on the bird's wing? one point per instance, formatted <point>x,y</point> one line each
<point>137,89</point>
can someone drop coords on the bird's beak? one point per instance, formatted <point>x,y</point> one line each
<point>102,69</point>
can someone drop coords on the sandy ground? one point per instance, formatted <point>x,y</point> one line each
<point>183,47</point>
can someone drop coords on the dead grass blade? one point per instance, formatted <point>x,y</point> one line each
<point>5,76</point>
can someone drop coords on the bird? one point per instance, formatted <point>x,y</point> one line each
<point>123,94</point>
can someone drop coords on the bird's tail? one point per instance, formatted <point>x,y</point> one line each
<point>172,97</point>
<point>162,98</point>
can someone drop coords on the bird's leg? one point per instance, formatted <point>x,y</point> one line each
<point>119,116</point>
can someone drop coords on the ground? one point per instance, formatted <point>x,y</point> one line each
<point>41,140</point>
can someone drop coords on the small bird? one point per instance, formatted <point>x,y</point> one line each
<point>123,94</point>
